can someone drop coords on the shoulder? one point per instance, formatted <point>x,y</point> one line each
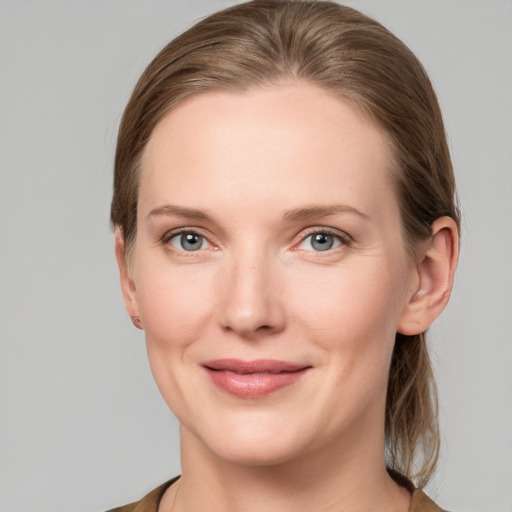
<point>148,503</point>
<point>422,503</point>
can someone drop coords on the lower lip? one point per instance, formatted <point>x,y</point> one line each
<point>253,385</point>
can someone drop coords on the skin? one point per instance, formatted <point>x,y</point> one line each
<point>241,171</point>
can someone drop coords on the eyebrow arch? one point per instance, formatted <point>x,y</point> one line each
<point>179,211</point>
<point>296,214</point>
<point>309,212</point>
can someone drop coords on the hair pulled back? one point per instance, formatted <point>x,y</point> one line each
<point>262,42</point>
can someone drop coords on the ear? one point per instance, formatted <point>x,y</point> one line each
<point>127,283</point>
<point>437,260</point>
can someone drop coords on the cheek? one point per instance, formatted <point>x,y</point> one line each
<point>349,297</point>
<point>351,313</point>
<point>175,307</point>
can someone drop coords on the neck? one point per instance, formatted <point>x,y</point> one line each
<point>353,479</point>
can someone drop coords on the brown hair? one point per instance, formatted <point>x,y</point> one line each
<point>339,49</point>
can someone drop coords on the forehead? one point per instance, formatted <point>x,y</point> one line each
<point>293,142</point>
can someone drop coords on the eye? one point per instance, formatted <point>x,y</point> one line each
<point>188,241</point>
<point>320,241</point>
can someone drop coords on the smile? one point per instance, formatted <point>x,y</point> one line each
<point>253,379</point>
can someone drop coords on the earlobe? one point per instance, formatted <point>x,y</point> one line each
<point>127,284</point>
<point>436,266</point>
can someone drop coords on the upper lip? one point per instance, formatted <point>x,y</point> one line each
<point>255,366</point>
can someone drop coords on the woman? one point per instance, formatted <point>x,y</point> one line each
<point>286,232</point>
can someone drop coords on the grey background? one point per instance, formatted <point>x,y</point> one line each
<point>82,426</point>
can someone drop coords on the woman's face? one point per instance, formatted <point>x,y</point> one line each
<point>269,271</point>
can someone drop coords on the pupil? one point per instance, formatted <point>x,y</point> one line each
<point>191,242</point>
<point>322,242</point>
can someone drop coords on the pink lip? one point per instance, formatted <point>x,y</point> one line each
<point>253,379</point>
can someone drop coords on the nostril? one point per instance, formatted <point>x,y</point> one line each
<point>249,332</point>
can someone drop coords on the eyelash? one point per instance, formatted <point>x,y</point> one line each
<point>343,238</point>
<point>176,233</point>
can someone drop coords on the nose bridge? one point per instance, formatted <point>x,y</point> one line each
<point>251,304</point>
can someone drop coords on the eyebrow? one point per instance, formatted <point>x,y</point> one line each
<point>317,211</point>
<point>179,211</point>
<point>296,214</point>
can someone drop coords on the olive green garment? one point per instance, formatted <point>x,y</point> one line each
<point>420,501</point>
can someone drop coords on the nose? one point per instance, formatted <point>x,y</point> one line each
<point>252,303</point>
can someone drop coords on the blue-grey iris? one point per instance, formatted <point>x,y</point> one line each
<point>322,241</point>
<point>191,241</point>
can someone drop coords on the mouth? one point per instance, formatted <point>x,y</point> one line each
<point>253,379</point>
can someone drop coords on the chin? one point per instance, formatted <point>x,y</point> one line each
<point>258,453</point>
<point>258,443</point>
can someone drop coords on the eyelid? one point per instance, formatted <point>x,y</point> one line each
<point>344,237</point>
<point>172,233</point>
